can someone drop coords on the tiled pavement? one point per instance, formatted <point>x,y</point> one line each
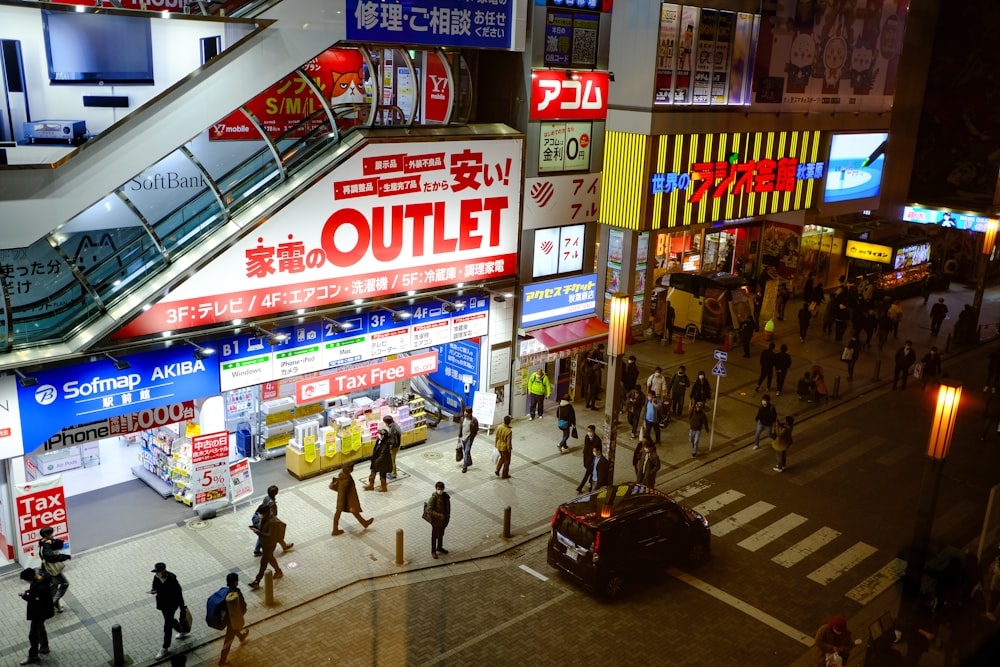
<point>109,584</point>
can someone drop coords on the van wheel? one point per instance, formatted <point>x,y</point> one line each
<point>614,585</point>
<point>696,553</point>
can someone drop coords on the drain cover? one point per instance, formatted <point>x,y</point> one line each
<point>197,524</point>
<point>432,455</point>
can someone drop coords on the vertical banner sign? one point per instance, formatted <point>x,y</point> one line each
<point>210,467</point>
<point>11,444</point>
<point>240,482</point>
<point>41,503</point>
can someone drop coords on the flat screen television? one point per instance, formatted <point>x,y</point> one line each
<point>855,166</point>
<point>84,48</point>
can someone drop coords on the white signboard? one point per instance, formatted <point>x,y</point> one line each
<point>551,201</point>
<point>484,405</point>
<point>11,443</point>
<point>394,217</point>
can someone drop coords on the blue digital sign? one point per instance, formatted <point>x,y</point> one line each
<point>560,299</point>
<point>478,24</point>
<point>456,361</point>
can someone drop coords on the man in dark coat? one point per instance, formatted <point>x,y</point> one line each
<point>747,327</point>
<point>234,621</point>
<point>782,362</point>
<point>347,500</point>
<point>40,609</point>
<point>382,460</point>
<point>938,312</point>
<point>766,367</point>
<point>439,509</point>
<point>395,441</point>
<point>600,470</point>
<point>591,441</point>
<point>630,374</point>
<point>268,530</point>
<point>169,598</point>
<point>905,358</point>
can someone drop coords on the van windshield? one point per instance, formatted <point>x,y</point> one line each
<point>572,530</point>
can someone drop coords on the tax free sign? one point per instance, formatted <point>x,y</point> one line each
<point>93,391</point>
<point>394,218</point>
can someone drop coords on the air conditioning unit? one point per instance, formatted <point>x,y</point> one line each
<point>68,131</point>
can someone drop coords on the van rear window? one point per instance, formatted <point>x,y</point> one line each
<point>571,529</point>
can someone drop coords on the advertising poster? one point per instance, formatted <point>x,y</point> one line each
<point>210,467</point>
<point>951,219</point>
<point>831,56</point>
<point>546,254</point>
<point>704,57</point>
<point>558,35</point>
<point>780,249</point>
<point>39,504</point>
<point>685,54</point>
<point>666,52</point>
<point>584,49</point>
<point>240,481</point>
<point>741,66</point>
<point>564,147</point>
<point>393,218</point>
<point>854,170</point>
<point>436,91</point>
<point>458,362</point>
<point>11,443</point>
<point>912,255</point>
<point>726,22</point>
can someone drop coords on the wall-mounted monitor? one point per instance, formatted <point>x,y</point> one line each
<point>85,48</point>
<point>854,170</point>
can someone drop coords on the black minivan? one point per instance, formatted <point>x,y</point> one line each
<point>601,537</point>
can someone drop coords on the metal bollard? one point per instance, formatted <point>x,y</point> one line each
<point>836,387</point>
<point>118,651</point>
<point>878,369</point>
<point>269,588</point>
<point>506,522</point>
<point>399,546</point>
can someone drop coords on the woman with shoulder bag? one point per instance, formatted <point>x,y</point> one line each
<point>566,420</point>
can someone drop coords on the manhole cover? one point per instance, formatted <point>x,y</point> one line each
<point>432,455</point>
<point>198,524</point>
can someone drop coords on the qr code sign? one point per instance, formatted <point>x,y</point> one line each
<point>585,46</point>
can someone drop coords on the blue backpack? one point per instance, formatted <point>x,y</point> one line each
<point>217,611</point>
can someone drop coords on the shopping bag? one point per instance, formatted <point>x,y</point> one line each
<point>918,369</point>
<point>846,354</point>
<point>458,453</point>
<point>185,619</point>
<point>496,456</point>
<point>574,433</point>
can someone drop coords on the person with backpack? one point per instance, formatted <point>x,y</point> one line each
<point>437,509</point>
<point>53,562</point>
<point>226,609</point>
<point>539,388</point>
<point>169,599</point>
<point>40,609</point>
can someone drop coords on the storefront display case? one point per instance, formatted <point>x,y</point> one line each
<point>896,266</point>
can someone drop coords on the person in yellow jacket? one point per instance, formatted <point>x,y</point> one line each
<point>504,444</point>
<point>539,388</point>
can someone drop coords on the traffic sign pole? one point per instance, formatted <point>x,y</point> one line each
<point>715,407</point>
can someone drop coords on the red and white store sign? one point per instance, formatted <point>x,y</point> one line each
<point>395,217</point>
<point>122,425</point>
<point>40,503</point>
<point>555,97</point>
<point>210,467</point>
<point>561,200</point>
<point>355,379</point>
<point>210,447</point>
<point>436,90</point>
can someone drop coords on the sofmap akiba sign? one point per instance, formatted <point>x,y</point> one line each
<point>95,390</point>
<point>395,217</point>
<point>480,24</point>
<point>580,96</point>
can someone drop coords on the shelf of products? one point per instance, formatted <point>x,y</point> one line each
<point>180,472</point>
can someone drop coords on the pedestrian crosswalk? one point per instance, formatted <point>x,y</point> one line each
<point>853,565</point>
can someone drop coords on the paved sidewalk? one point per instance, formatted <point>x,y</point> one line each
<point>109,584</point>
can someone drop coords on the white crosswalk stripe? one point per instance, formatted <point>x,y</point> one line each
<point>799,551</point>
<point>840,564</point>
<point>741,518</point>
<point>718,502</point>
<point>879,582</point>
<point>690,490</point>
<point>767,535</point>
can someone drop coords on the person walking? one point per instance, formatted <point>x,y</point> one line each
<point>830,315</point>
<point>895,313</point>
<point>634,401</point>
<point>595,370</point>
<point>600,470</point>
<point>347,501</point>
<point>382,461</point>
<point>840,320</point>
<point>746,330</point>
<point>438,508</point>
<point>566,416</point>
<point>766,416</point>
<point>805,317</point>
<point>850,354</point>
<point>395,437</point>
<point>630,374</point>
<point>468,429</point>
<point>504,441</point>
<point>657,382</point>
<point>651,416</point>
<point>701,390</point>
<point>938,312</point>
<point>883,328</point>
<point>271,501</point>
<point>698,421</point>
<point>782,299</point>
<point>269,529</point>
<point>40,609</point>
<point>833,638</point>
<point>782,441</point>
<point>169,599</point>
<point>782,362</point>
<point>678,387</point>
<point>766,367</point>
<point>235,619</point>
<point>54,564</point>
<point>647,465</point>
<point>931,371</point>
<point>591,441</point>
<point>904,360</point>
<point>539,388</point>
<point>671,316</point>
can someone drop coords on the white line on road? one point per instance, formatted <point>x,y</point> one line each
<point>770,533</point>
<point>797,552</point>
<point>740,605</point>
<point>874,585</point>
<point>718,502</point>
<point>537,575</point>
<point>741,518</point>
<point>832,569</point>
<point>690,490</point>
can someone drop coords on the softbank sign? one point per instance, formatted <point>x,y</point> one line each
<point>395,217</point>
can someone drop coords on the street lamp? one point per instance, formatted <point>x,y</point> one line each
<point>982,266</point>
<point>619,322</point>
<point>938,444</point>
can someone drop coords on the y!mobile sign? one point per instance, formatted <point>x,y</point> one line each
<point>395,217</point>
<point>362,377</point>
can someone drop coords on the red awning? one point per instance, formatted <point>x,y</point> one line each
<point>571,334</point>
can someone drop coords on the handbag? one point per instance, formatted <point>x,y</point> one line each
<point>458,453</point>
<point>562,423</point>
<point>574,433</point>
<point>918,369</point>
<point>495,456</point>
<point>185,619</point>
<point>53,569</point>
<point>846,354</point>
